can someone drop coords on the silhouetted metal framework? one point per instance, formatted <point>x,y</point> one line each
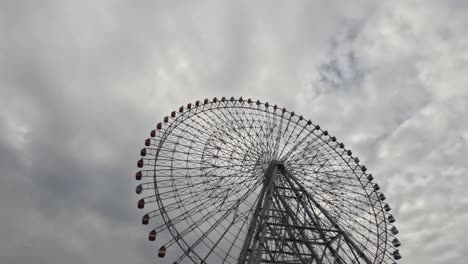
<point>238,181</point>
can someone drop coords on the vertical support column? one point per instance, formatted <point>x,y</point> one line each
<point>252,247</point>
<point>259,237</point>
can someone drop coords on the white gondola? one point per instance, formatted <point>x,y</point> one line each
<point>382,197</point>
<point>139,189</point>
<point>387,208</point>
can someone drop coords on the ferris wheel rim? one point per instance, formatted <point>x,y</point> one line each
<point>185,115</point>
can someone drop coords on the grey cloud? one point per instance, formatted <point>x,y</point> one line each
<point>82,84</point>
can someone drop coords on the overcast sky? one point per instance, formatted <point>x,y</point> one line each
<point>82,83</point>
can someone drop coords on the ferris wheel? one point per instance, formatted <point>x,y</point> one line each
<point>241,181</point>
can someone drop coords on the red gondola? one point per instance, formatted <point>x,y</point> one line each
<point>147,142</point>
<point>197,103</point>
<point>141,203</point>
<point>152,235</point>
<point>159,126</point>
<point>138,176</point>
<point>162,252</point>
<point>173,114</point>
<point>145,219</point>
<point>143,152</point>
<point>140,163</point>
<point>181,109</point>
<point>153,133</point>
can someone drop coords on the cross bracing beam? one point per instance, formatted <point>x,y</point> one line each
<point>346,236</point>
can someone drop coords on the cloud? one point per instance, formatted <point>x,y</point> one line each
<point>83,84</point>
<point>398,89</point>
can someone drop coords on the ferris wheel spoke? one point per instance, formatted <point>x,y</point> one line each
<point>283,133</point>
<point>205,136</point>
<point>270,129</point>
<point>231,123</point>
<point>287,143</point>
<point>268,134</point>
<point>205,234</point>
<point>217,242</point>
<point>251,140</point>
<point>299,143</point>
